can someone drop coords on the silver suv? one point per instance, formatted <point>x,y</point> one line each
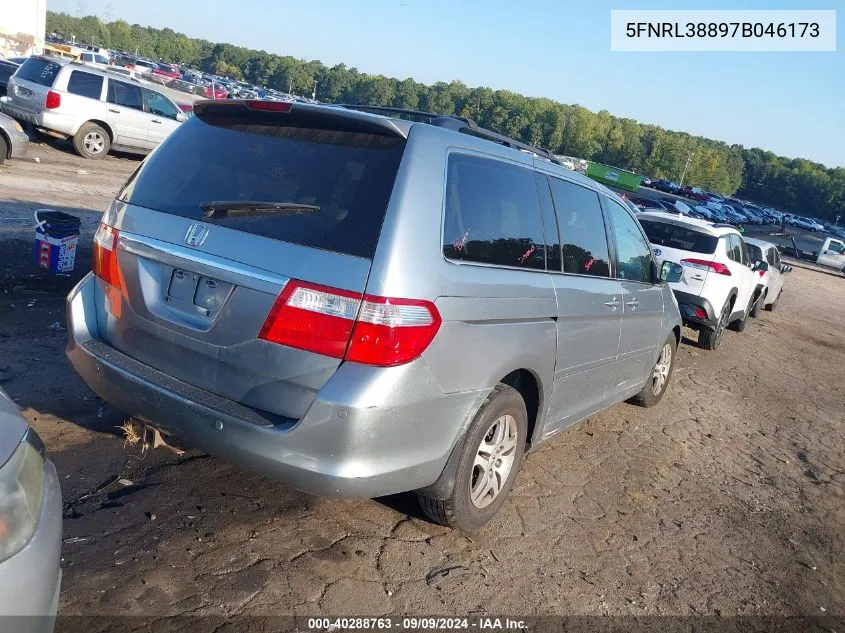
<point>98,109</point>
<point>359,305</point>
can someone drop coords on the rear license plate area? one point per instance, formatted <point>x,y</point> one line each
<point>196,294</point>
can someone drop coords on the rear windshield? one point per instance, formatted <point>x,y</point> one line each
<point>40,71</point>
<point>345,178</point>
<point>680,237</point>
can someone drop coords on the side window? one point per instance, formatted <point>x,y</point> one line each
<point>157,104</point>
<point>743,251</point>
<point>87,57</point>
<point>772,256</point>
<point>492,214</point>
<point>85,84</point>
<point>100,59</point>
<point>836,247</point>
<point>553,258</point>
<point>582,234</point>
<point>125,95</point>
<point>633,254</point>
<point>732,248</point>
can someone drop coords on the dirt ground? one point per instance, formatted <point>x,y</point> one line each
<point>725,499</point>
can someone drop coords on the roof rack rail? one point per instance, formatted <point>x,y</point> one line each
<point>458,124</point>
<point>723,225</point>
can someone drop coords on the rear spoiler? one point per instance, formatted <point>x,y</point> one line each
<point>286,113</point>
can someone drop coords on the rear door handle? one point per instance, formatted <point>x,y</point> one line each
<point>114,111</point>
<point>156,121</point>
<point>633,303</point>
<point>613,303</point>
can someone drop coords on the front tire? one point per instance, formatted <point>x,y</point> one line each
<point>91,141</point>
<point>739,324</point>
<point>490,459</point>
<point>711,339</point>
<point>658,381</point>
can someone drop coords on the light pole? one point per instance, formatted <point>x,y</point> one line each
<point>684,174</point>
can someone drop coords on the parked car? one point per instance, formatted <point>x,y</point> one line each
<point>294,306</point>
<point>7,69</point>
<point>665,185</point>
<point>143,64</point>
<point>803,223</point>
<point>14,142</point>
<point>647,203</point>
<point>31,521</point>
<point>832,254</point>
<point>716,289</point>
<point>167,70</point>
<point>94,59</point>
<point>770,284</point>
<point>94,108</point>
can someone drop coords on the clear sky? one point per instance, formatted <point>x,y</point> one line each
<point>789,103</point>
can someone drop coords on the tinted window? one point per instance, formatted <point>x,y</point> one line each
<point>40,71</point>
<point>6,71</point>
<point>772,256</point>
<point>348,176</point>
<point>492,214</point>
<point>553,253</point>
<point>85,84</point>
<point>125,95</point>
<point>732,247</point>
<point>157,104</point>
<point>836,247</point>
<point>755,252</point>
<point>680,237</point>
<point>582,231</point>
<point>633,254</point>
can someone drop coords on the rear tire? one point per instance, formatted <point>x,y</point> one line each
<point>91,141</point>
<point>4,150</point>
<point>711,339</point>
<point>490,459</point>
<point>658,381</point>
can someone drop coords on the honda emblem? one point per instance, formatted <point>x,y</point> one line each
<point>196,235</point>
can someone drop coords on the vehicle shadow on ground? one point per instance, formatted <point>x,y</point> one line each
<point>66,145</point>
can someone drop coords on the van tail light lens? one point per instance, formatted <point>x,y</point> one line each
<point>359,328</point>
<point>54,100</point>
<point>761,273</point>
<point>105,255</point>
<point>701,313</point>
<point>703,264</point>
<point>269,106</point>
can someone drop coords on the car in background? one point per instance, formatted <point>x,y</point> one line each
<point>645,181</point>
<point>770,284</point>
<point>8,68</point>
<point>665,186</point>
<point>803,223</point>
<point>30,526</point>
<point>94,59</point>
<point>832,254</point>
<point>716,289</point>
<point>644,204</point>
<point>14,142</point>
<point>143,64</point>
<point>91,106</point>
<point>167,70</point>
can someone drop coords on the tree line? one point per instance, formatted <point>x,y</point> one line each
<point>795,185</point>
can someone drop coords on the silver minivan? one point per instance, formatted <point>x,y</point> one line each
<point>359,305</point>
<point>94,107</point>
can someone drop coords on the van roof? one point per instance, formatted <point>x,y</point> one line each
<point>714,228</point>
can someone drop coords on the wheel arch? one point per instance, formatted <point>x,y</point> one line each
<point>102,124</point>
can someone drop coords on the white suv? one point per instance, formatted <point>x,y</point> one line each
<point>718,283</point>
<point>96,108</point>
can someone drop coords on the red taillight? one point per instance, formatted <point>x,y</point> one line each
<point>342,324</point>
<point>105,255</point>
<point>703,264</point>
<point>54,100</point>
<point>701,313</point>
<point>761,273</point>
<point>269,106</point>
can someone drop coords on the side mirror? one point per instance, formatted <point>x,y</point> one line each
<point>760,265</point>
<point>786,269</point>
<point>670,272</point>
<point>180,116</point>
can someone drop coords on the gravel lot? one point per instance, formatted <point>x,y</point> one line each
<point>725,499</point>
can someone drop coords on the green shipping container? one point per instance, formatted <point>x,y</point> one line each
<point>614,176</point>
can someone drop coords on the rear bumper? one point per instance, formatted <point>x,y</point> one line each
<point>370,431</point>
<point>691,307</point>
<point>46,119</point>
<point>19,144</point>
<point>30,580</point>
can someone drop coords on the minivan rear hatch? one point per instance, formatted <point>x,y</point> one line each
<point>213,226</point>
<point>681,243</point>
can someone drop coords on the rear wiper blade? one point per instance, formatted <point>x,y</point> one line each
<point>246,208</point>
